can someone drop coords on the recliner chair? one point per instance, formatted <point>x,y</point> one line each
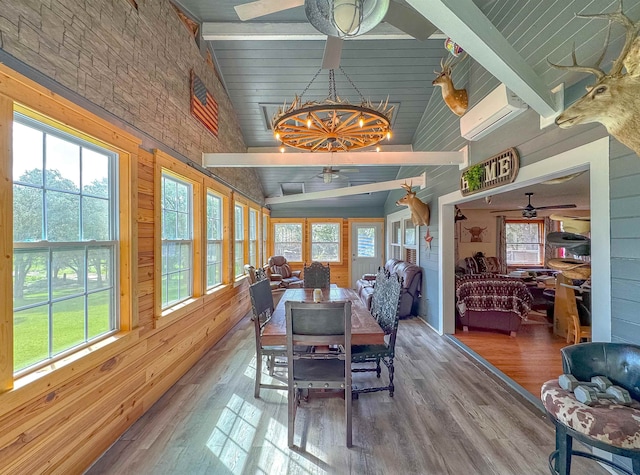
<point>278,270</point>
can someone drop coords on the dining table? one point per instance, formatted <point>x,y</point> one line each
<point>364,327</point>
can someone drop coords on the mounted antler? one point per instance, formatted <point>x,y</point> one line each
<point>614,100</point>
<point>456,99</point>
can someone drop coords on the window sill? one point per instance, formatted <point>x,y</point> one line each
<point>172,314</point>
<point>240,280</point>
<point>79,362</point>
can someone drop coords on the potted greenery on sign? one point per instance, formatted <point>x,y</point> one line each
<point>474,176</point>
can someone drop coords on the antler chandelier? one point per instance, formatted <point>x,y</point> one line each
<point>332,125</point>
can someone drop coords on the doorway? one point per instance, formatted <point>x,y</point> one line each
<point>593,157</point>
<point>366,249</point>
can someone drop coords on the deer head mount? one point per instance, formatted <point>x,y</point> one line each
<point>456,99</point>
<point>614,100</point>
<point>419,210</point>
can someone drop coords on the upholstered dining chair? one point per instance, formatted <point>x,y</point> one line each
<point>256,274</point>
<point>317,276</point>
<point>262,306</point>
<point>388,289</point>
<point>324,324</point>
<point>279,270</point>
<point>605,424</point>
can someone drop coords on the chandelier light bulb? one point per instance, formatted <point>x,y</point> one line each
<point>361,121</point>
<point>282,148</point>
<point>378,148</point>
<point>388,135</point>
<point>309,122</point>
<point>277,135</point>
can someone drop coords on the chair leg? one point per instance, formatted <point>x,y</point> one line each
<point>256,392</point>
<point>391,369</point>
<point>347,406</point>
<point>378,370</point>
<point>291,418</point>
<point>635,464</point>
<point>564,446</point>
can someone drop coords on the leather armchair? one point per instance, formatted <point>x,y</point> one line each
<point>278,270</point>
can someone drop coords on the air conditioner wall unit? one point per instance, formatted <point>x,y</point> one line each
<point>496,109</point>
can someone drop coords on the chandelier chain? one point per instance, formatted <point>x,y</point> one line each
<point>352,85</point>
<point>332,85</point>
<point>310,83</point>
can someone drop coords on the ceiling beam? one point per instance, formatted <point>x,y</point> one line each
<point>387,148</point>
<point>349,190</point>
<point>307,159</point>
<point>465,23</point>
<point>240,31</point>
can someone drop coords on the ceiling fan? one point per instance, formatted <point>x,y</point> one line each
<point>344,18</point>
<point>531,211</point>
<point>329,173</point>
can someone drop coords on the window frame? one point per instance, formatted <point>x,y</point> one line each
<point>540,244</point>
<point>165,164</point>
<point>264,247</point>
<point>223,241</point>
<point>252,242</point>
<point>334,221</point>
<point>239,273</point>
<point>83,245</point>
<point>19,94</point>
<point>272,236</point>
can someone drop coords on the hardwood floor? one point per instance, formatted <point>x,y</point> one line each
<point>530,359</point>
<point>448,416</point>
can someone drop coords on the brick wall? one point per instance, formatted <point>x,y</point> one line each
<point>133,64</point>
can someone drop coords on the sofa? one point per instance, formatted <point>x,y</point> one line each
<point>411,276</point>
<point>492,302</point>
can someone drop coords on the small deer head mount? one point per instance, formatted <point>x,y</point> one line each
<point>614,100</point>
<point>456,99</point>
<point>419,210</point>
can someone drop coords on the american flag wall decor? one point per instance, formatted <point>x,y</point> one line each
<point>203,106</point>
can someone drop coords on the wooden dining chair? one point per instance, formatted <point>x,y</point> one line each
<point>577,332</point>
<point>317,276</point>
<point>326,324</point>
<point>388,287</point>
<point>262,306</point>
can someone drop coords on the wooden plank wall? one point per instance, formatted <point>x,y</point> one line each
<point>65,421</point>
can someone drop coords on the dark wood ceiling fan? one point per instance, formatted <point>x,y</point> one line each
<point>531,211</point>
<point>320,15</point>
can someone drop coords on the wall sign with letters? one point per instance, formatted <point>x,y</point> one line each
<point>490,173</point>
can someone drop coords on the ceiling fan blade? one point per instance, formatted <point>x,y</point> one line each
<point>556,207</point>
<point>505,210</point>
<point>409,21</point>
<point>332,53</point>
<point>251,10</point>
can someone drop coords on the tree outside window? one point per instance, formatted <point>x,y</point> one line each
<point>287,241</point>
<point>238,267</point>
<point>525,242</point>
<point>214,239</point>
<point>325,242</point>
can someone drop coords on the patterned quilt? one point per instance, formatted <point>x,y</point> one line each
<point>488,292</point>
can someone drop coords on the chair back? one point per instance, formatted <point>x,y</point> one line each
<point>317,276</point>
<point>389,313</point>
<point>279,265</point>
<point>251,272</point>
<point>620,362</point>
<point>261,303</point>
<point>376,296</point>
<point>324,323</point>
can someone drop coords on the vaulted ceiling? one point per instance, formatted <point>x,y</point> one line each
<point>262,72</point>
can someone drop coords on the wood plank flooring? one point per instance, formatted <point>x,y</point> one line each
<point>448,416</point>
<point>530,359</point>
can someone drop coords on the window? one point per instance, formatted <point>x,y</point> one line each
<point>253,237</point>
<point>287,241</point>
<point>366,246</point>
<point>65,276</point>
<point>214,239</point>
<point>265,238</point>
<point>396,240</point>
<point>177,240</point>
<point>525,242</point>
<point>238,267</point>
<point>325,242</point>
